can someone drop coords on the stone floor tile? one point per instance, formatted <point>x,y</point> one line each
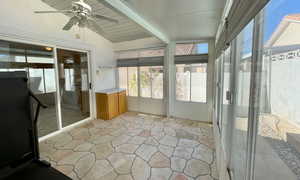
<point>101,170</point>
<point>84,147</point>
<point>120,140</point>
<point>183,152</point>
<point>183,134</point>
<point>203,153</point>
<point>206,177</point>
<point>66,169</point>
<point>73,176</point>
<point>158,135</point>
<point>84,164</point>
<point>159,160</point>
<point>160,173</point>
<point>127,148</point>
<point>124,177</point>
<point>102,150</point>
<point>80,134</point>
<point>46,149</point>
<point>169,141</point>
<point>195,168</point>
<point>169,131</point>
<point>145,133</point>
<point>72,158</point>
<point>151,141</point>
<point>71,145</point>
<point>146,151</point>
<point>178,164</point>
<point>137,140</point>
<point>188,143</point>
<point>140,169</point>
<point>99,139</point>
<point>121,163</point>
<point>214,171</point>
<point>59,155</point>
<point>134,132</point>
<point>179,176</point>
<point>167,150</point>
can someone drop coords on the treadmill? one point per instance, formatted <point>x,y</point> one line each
<point>19,146</point>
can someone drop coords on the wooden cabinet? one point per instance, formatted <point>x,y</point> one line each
<point>110,105</point>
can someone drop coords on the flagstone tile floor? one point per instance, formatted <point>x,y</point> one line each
<point>134,147</point>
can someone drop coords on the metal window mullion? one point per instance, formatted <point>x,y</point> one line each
<point>190,67</point>
<point>127,81</point>
<point>45,90</point>
<point>254,97</point>
<point>58,97</point>
<point>151,82</point>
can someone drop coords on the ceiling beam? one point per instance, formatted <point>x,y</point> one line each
<point>131,14</point>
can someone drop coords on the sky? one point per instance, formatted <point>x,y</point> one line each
<point>202,48</point>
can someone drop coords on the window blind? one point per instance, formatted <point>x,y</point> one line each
<point>143,61</point>
<point>191,59</point>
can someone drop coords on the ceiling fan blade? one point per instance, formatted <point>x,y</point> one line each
<point>91,23</point>
<point>105,18</point>
<point>71,22</point>
<point>61,11</point>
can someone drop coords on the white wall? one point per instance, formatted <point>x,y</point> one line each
<point>18,21</point>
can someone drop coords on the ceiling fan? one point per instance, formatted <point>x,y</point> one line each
<point>82,16</point>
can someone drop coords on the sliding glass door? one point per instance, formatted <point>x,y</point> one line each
<point>74,86</point>
<point>39,64</point>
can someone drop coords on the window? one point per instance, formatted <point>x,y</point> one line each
<point>123,78</point>
<point>50,86</point>
<point>150,78</point>
<point>183,82</point>
<point>69,80</point>
<point>157,77</point>
<point>36,78</point>
<point>191,82</point>
<point>191,48</point>
<point>198,82</point>
<point>132,81</point>
<point>145,82</point>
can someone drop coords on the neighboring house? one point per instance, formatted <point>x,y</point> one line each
<point>287,32</point>
<point>282,64</point>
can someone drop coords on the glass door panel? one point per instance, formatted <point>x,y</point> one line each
<point>277,154</point>
<point>242,83</point>
<point>38,63</point>
<point>74,86</point>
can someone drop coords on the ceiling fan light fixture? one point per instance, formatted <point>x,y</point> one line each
<point>48,48</point>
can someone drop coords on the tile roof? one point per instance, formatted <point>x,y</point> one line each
<point>294,17</point>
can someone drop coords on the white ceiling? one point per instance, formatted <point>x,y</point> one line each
<point>181,19</point>
<point>125,30</point>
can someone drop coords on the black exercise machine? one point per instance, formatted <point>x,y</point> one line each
<point>19,147</point>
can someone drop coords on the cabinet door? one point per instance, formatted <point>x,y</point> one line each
<point>113,105</point>
<point>122,102</point>
<point>102,106</point>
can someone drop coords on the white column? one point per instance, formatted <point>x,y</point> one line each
<point>169,78</point>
